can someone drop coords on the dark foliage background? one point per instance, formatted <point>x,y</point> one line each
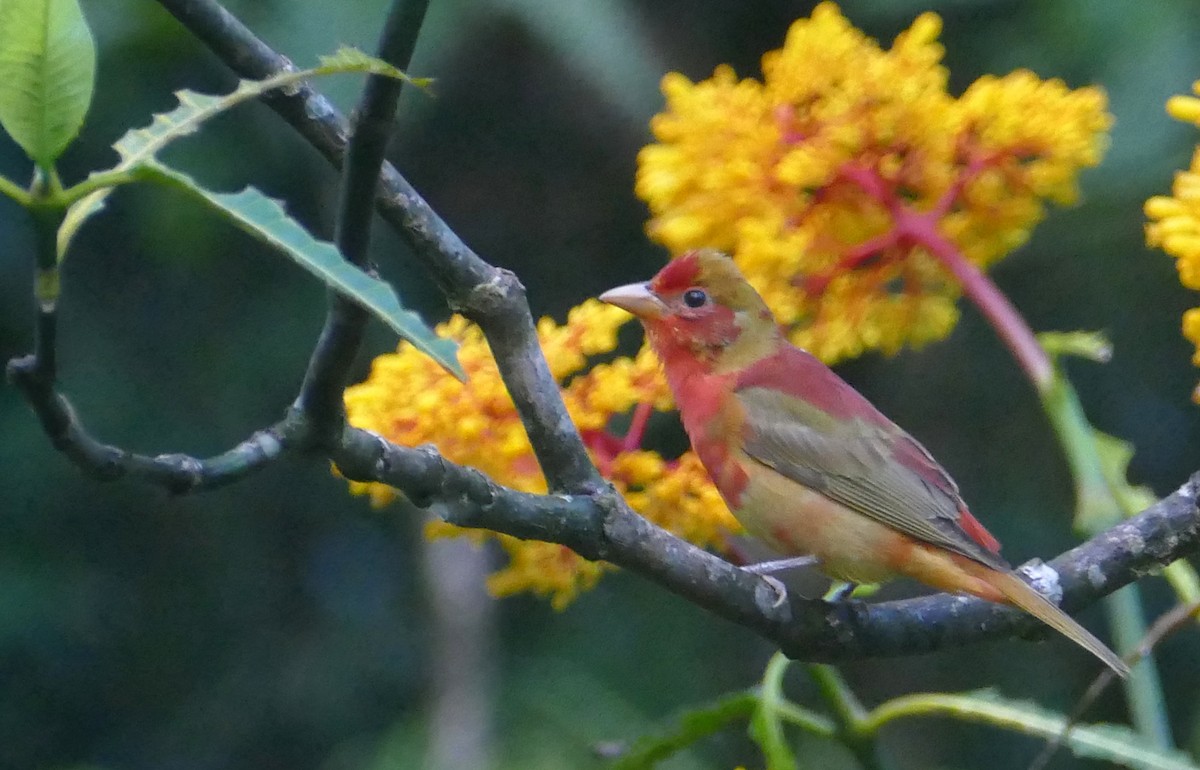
<point>282,624</point>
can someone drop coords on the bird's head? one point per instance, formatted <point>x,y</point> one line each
<point>701,305</point>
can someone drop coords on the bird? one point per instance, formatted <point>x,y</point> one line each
<point>803,460</point>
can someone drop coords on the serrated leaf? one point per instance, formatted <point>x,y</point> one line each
<point>140,146</point>
<point>1115,455</point>
<point>47,73</point>
<point>265,219</point>
<point>347,59</point>
<point>1112,743</point>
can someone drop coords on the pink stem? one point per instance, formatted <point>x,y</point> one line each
<point>976,164</point>
<point>854,258</point>
<point>870,182</point>
<point>603,446</point>
<point>978,288</point>
<point>921,228</point>
<point>637,427</point>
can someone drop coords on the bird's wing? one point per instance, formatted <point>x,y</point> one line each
<point>865,462</point>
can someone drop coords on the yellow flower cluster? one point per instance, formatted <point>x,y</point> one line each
<point>411,400</point>
<point>1175,221</point>
<point>830,179</point>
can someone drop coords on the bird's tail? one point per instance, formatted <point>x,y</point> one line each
<point>1027,598</point>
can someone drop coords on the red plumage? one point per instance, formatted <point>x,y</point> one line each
<point>806,462</point>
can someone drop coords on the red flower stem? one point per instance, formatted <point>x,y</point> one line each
<point>978,288</point>
<point>921,228</point>
<point>637,427</point>
<point>974,166</point>
<point>860,253</point>
<point>870,182</point>
<point>854,258</point>
<point>603,446</point>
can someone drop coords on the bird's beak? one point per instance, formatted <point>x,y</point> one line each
<point>637,299</point>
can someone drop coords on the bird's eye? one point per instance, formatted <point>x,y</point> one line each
<point>695,297</point>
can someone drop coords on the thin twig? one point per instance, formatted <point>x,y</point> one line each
<point>490,296</point>
<point>320,397</point>
<point>177,473</point>
<point>1166,625</point>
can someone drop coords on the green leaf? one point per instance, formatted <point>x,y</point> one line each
<point>693,725</point>
<point>140,146</point>
<point>766,727</point>
<point>1112,743</point>
<point>1115,455</point>
<point>249,209</point>
<point>265,219</point>
<point>47,73</point>
<point>1094,346</point>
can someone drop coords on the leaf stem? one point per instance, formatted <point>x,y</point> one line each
<point>693,725</point>
<point>849,715</point>
<point>1106,742</point>
<point>43,364</point>
<point>765,725</point>
<point>113,177</point>
<point>14,191</point>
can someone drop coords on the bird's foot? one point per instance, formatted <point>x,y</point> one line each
<point>778,565</point>
<point>781,592</point>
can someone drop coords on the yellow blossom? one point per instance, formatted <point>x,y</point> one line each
<point>411,401</point>
<point>843,180</point>
<point>677,496</point>
<point>1174,224</point>
<point>1186,108</point>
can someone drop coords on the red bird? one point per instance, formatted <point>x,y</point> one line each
<point>803,460</point>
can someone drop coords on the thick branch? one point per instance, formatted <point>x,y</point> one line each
<point>1164,532</point>
<point>602,526</point>
<point>597,526</point>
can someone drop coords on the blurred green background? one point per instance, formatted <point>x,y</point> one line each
<point>282,624</point>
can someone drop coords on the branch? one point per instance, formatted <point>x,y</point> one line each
<point>602,526</point>
<point>318,413</point>
<point>489,296</point>
<point>177,473</point>
<point>345,322</point>
<point>492,297</point>
<point>593,521</point>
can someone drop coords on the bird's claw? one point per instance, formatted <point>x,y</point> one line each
<point>781,592</point>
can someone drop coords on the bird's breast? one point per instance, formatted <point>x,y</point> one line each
<point>714,422</point>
